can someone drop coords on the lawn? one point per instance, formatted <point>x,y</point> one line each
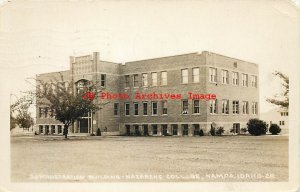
<point>155,159</point>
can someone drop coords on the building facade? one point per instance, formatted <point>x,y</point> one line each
<point>150,108</point>
<point>279,116</point>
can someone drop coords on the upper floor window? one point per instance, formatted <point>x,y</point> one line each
<point>253,81</point>
<point>136,108</point>
<point>245,107</point>
<point>127,109</point>
<point>145,80</point>
<point>127,81</point>
<point>225,77</point>
<point>164,107</point>
<point>284,113</point>
<point>254,108</point>
<point>154,108</point>
<point>164,78</point>
<point>196,106</point>
<point>184,76</point>
<point>225,106</point>
<point>145,108</point>
<point>235,107</point>
<point>135,80</point>
<point>185,107</point>
<point>213,75</point>
<point>103,80</point>
<point>244,80</point>
<point>213,106</point>
<point>154,78</point>
<point>196,75</point>
<point>116,109</point>
<point>235,78</point>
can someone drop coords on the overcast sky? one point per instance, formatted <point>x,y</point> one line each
<point>38,37</point>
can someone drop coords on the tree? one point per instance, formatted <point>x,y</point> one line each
<point>23,117</point>
<point>283,99</point>
<point>66,105</point>
<point>256,127</point>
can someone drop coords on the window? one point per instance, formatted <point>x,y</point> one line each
<point>40,112</point>
<point>281,122</point>
<point>254,108</point>
<point>225,77</point>
<point>253,81</point>
<point>52,129</point>
<point>225,106</point>
<point>184,76</point>
<point>212,75</point>
<point>244,80</point>
<point>103,80</point>
<point>154,79</point>
<point>154,129</point>
<point>164,129</point>
<point>284,114</point>
<point>164,78</point>
<point>235,78</point>
<point>41,129</point>
<point>46,112</point>
<point>145,108</point>
<point>174,129</point>
<point>164,107</point>
<point>116,108</point>
<point>196,75</point>
<point>127,109</point>
<point>136,108</point>
<point>245,107</point>
<point>213,106</point>
<point>235,107</point>
<point>59,129</point>
<point>135,80</point>
<point>145,80</point>
<point>154,108</point>
<point>127,81</point>
<point>185,107</point>
<point>196,106</point>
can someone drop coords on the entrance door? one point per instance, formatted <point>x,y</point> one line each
<point>127,127</point>
<point>236,128</point>
<point>84,125</point>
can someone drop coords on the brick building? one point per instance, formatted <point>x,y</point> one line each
<point>233,82</point>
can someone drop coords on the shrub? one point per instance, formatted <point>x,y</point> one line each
<point>219,131</point>
<point>212,131</point>
<point>92,134</point>
<point>137,133</point>
<point>98,133</point>
<point>244,130</point>
<point>274,129</point>
<point>256,127</point>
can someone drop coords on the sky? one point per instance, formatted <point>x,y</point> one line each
<point>39,36</point>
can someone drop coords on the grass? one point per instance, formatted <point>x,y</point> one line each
<point>105,159</point>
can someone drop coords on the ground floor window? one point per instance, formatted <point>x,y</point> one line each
<point>46,129</point>
<point>136,130</point>
<point>164,129</point>
<point>174,129</point>
<point>185,129</point>
<point>154,129</point>
<point>52,129</point>
<point>59,129</point>
<point>41,130</point>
